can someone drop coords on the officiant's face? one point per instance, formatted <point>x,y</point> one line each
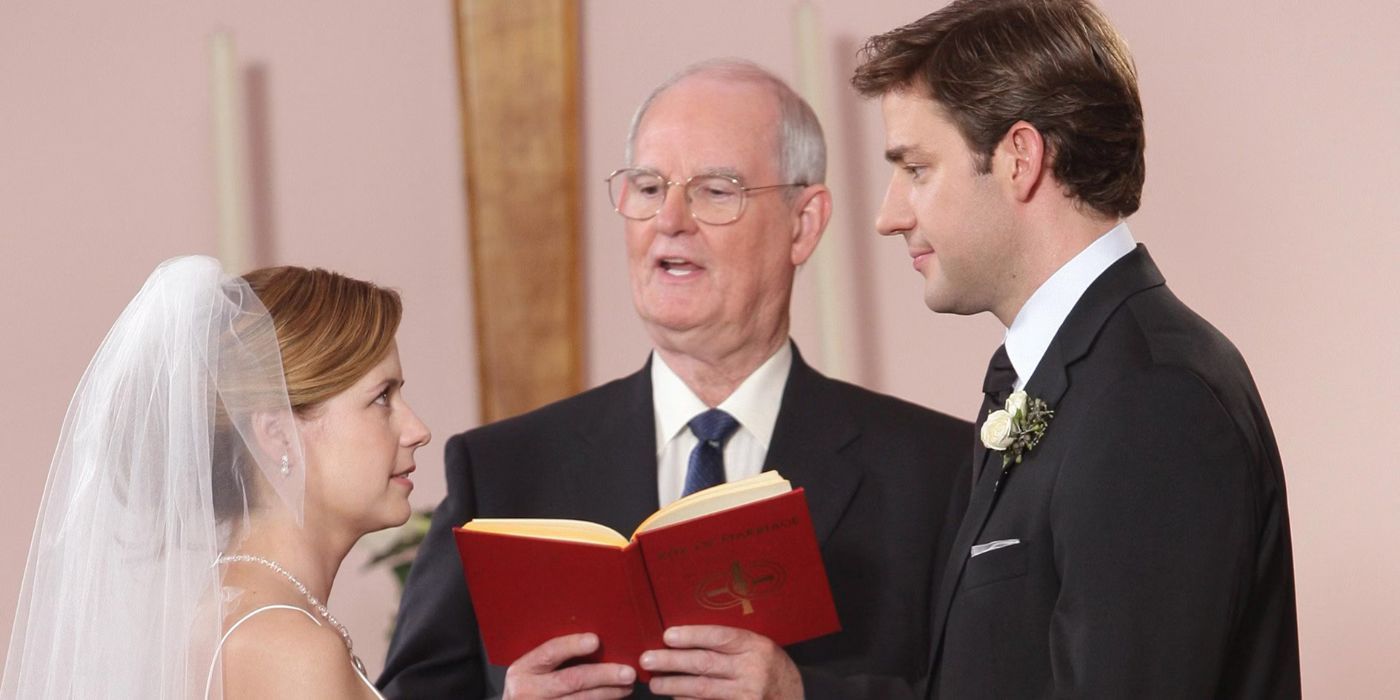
<point>360,453</point>
<point>955,221</point>
<point>698,286</point>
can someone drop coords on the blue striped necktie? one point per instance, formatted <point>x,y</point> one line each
<point>713,427</point>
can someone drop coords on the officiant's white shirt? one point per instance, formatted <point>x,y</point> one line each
<point>1045,311</point>
<point>754,404</point>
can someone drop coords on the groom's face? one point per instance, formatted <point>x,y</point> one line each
<point>955,221</point>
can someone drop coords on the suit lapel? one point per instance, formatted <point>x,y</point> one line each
<point>979,451</point>
<point>809,439</point>
<point>1131,274</point>
<point>616,484</point>
<point>977,511</point>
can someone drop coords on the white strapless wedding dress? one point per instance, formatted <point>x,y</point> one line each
<point>354,662</point>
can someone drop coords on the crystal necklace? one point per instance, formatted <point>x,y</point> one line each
<point>301,588</point>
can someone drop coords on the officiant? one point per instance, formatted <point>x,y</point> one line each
<point>722,200</point>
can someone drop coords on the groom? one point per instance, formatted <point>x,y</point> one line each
<point>1128,530</point>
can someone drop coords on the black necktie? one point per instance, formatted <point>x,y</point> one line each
<point>996,387</point>
<point>706,469</point>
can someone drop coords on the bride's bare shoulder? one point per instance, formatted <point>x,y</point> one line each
<point>282,652</point>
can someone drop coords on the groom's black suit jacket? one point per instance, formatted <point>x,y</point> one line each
<point>882,477</point>
<point>1154,557</point>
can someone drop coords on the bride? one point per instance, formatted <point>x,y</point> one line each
<point>231,440</point>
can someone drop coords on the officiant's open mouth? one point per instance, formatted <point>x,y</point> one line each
<point>678,267</point>
<point>402,477</point>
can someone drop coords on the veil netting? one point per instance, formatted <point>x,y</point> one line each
<point>179,429</point>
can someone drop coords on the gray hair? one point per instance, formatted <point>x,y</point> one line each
<point>801,146</point>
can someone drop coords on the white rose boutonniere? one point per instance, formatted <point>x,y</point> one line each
<point>1016,403</point>
<point>996,430</point>
<point>1017,429</point>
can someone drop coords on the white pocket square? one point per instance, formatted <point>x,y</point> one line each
<point>979,549</point>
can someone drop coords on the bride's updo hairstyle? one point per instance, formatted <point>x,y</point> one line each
<point>331,330</point>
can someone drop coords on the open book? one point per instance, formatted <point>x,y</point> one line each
<point>741,554</point>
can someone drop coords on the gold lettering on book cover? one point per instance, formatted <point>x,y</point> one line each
<point>740,585</point>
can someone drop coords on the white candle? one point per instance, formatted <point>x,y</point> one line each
<point>230,204</point>
<point>831,260</point>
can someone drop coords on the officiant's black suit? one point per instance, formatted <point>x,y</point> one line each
<point>1154,558</point>
<point>881,477</point>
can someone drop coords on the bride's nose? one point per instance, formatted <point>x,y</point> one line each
<point>415,431</point>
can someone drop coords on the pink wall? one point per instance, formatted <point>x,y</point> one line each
<point>1271,134</point>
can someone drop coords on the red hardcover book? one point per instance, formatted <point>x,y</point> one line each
<point>740,554</point>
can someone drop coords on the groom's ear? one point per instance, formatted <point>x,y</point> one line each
<point>1022,159</point>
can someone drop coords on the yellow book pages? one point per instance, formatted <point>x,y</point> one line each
<point>567,530</point>
<point>718,498</point>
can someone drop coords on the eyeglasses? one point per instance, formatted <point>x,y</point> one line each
<point>639,193</point>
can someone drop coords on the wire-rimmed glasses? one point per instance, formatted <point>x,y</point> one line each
<point>715,199</point>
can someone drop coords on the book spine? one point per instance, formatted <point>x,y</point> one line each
<point>644,599</point>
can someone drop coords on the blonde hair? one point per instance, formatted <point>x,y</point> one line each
<point>332,329</point>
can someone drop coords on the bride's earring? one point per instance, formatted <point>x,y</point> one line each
<point>286,467</point>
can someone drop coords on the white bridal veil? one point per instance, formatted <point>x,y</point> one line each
<point>178,430</point>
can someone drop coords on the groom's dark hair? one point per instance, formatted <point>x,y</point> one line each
<point>1057,64</point>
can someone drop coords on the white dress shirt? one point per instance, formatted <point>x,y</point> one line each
<point>1040,318</point>
<point>754,404</point>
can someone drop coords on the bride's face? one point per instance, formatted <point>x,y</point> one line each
<point>359,452</point>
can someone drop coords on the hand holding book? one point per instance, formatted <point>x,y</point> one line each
<point>548,671</point>
<point>741,555</point>
<point>714,661</point>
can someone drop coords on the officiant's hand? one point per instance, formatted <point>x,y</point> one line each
<point>710,661</point>
<point>537,673</point>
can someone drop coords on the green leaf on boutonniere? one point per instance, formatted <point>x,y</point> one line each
<point>1017,429</point>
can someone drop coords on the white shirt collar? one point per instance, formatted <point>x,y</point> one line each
<point>1040,318</point>
<point>754,403</point>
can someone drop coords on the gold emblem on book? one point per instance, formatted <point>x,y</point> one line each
<point>739,586</point>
